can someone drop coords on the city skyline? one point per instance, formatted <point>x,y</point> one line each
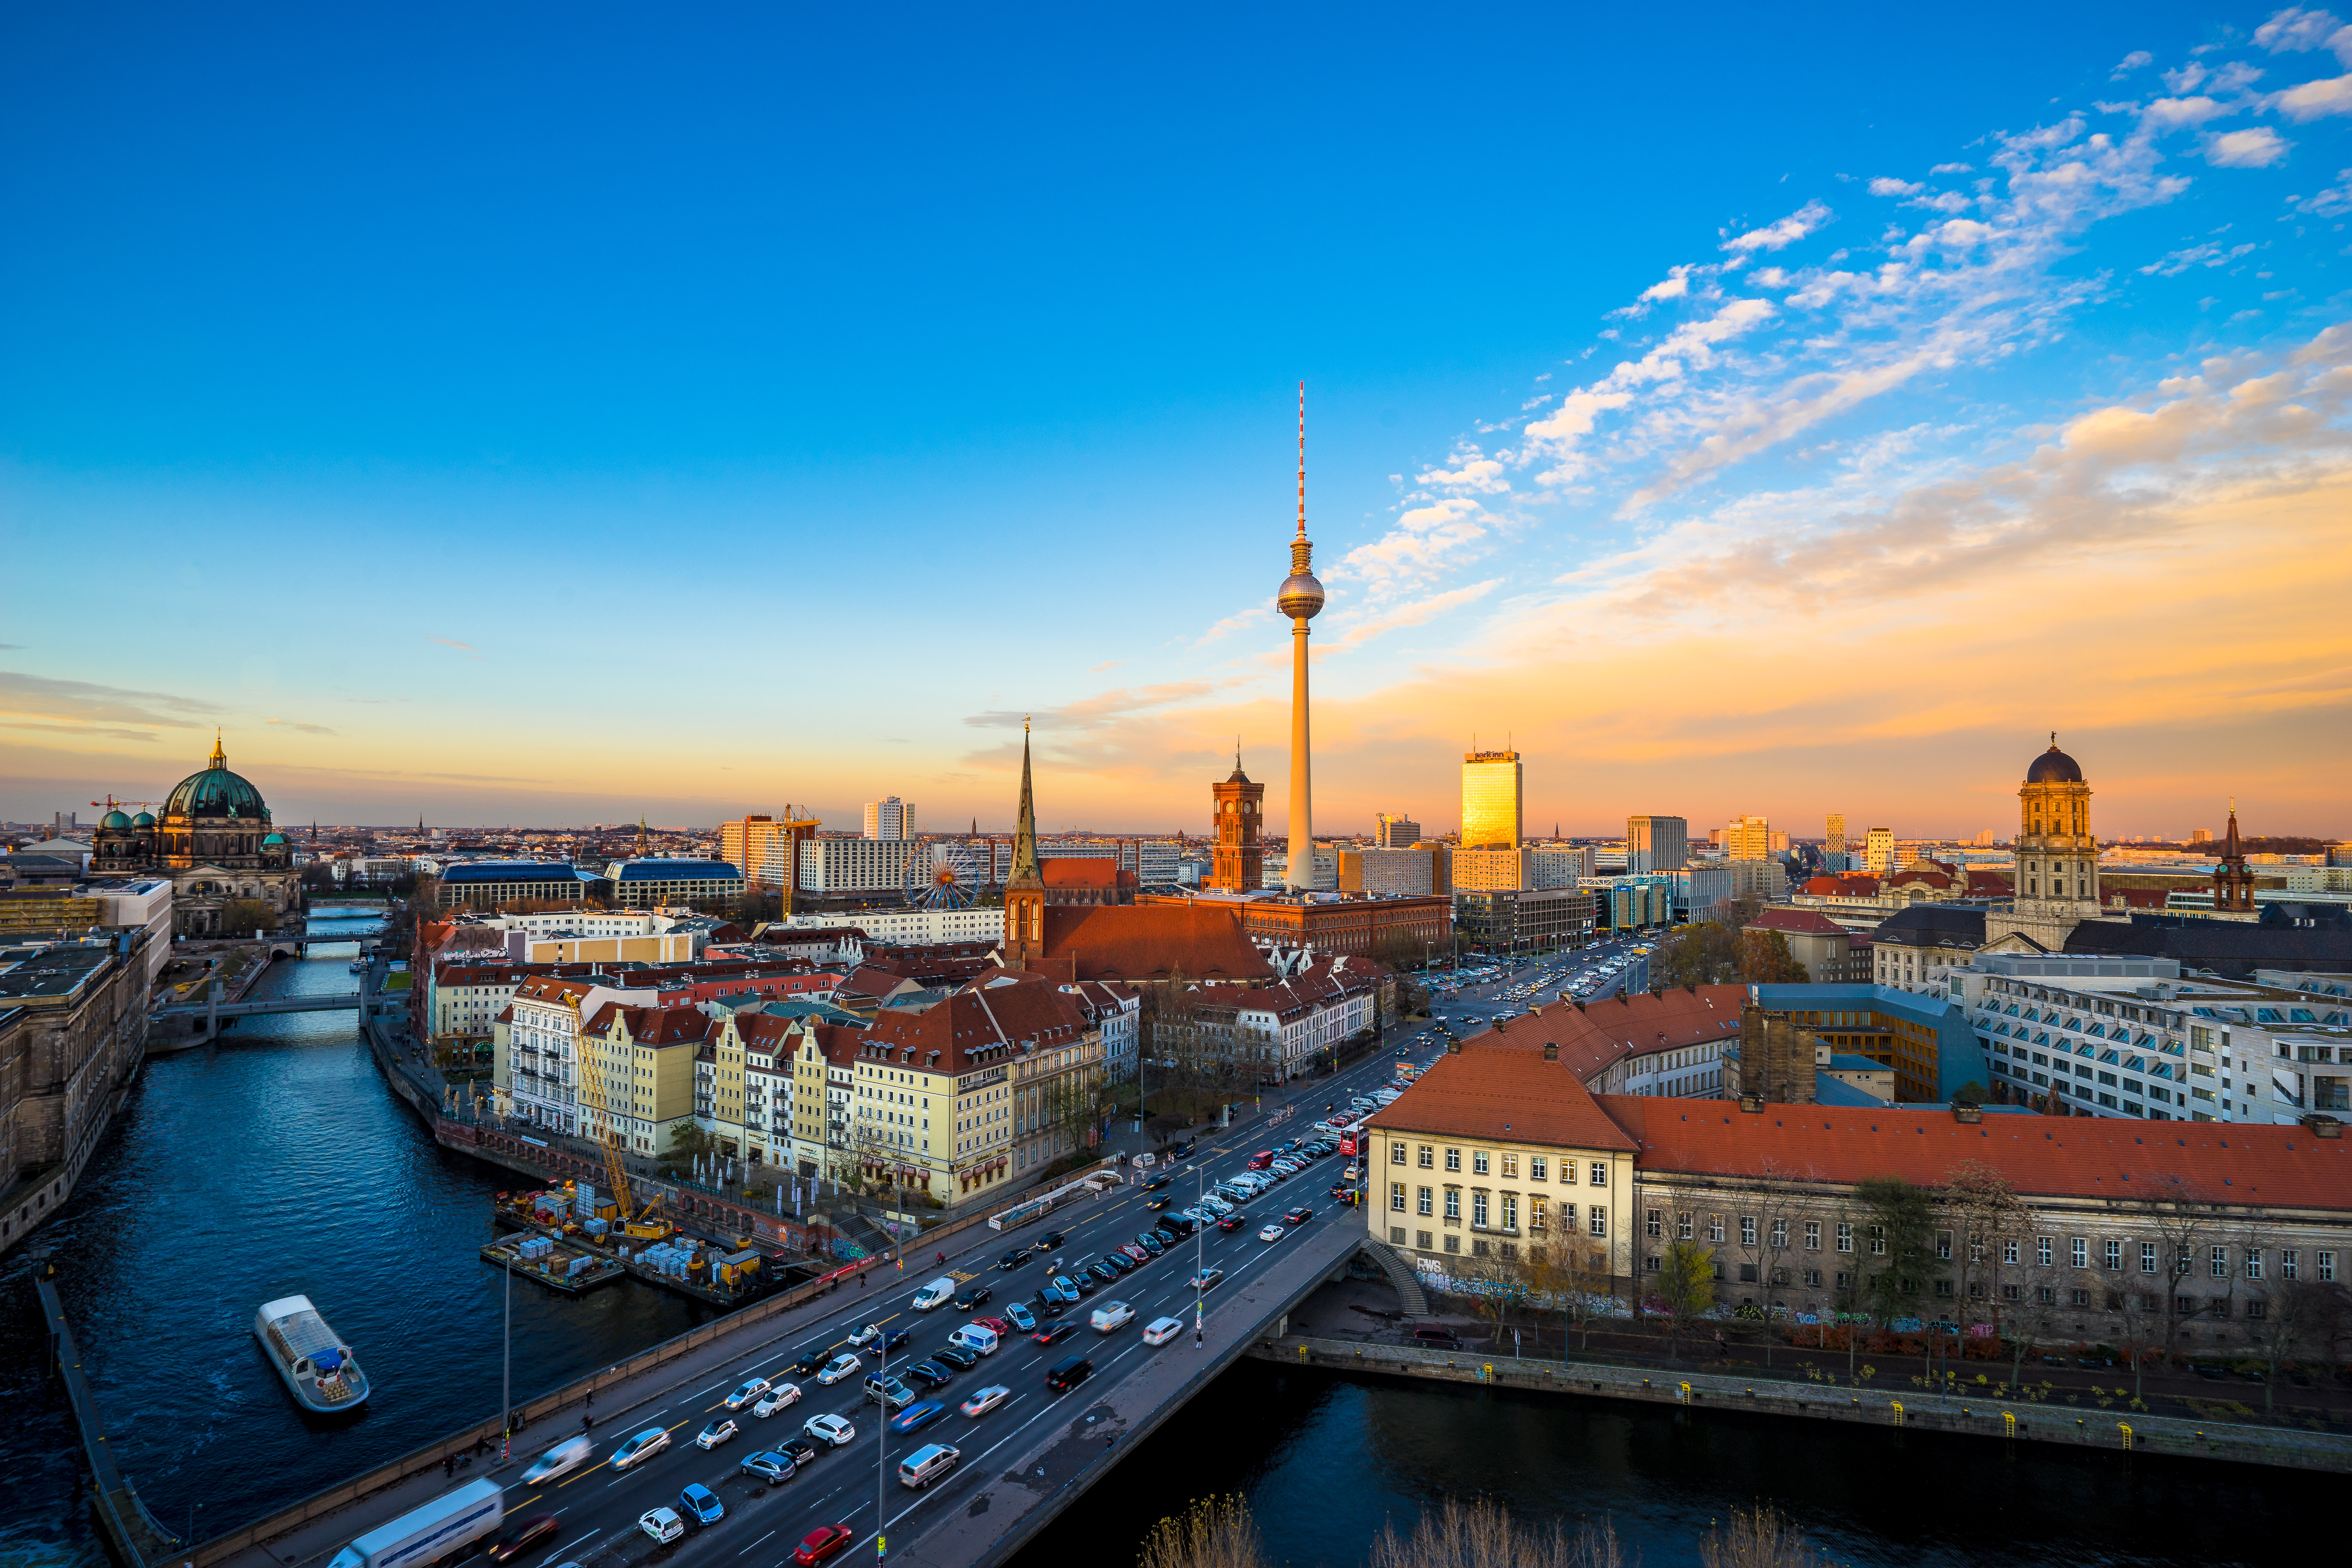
<point>1847,394</point>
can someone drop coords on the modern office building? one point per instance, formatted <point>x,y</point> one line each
<point>642,884</point>
<point>854,865</point>
<point>762,846</point>
<point>891,818</point>
<point>1396,831</point>
<point>1878,852</point>
<point>1423,869</point>
<point>1748,838</point>
<point>1492,791</point>
<point>1656,844</point>
<point>1833,841</point>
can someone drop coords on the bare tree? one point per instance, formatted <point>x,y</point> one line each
<point>1764,1234</point>
<point>1758,1537</point>
<point>1993,1223</point>
<point>1483,1535</point>
<point>1215,1532</point>
<point>2184,1219</point>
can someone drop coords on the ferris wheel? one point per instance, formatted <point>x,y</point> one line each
<point>948,873</point>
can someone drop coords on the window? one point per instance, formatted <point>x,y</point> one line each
<point>1779,1232</point>
<point>1656,1225</point>
<point>2220,1261</point>
<point>1423,1198</point>
<point>1813,1277</point>
<point>2147,1257</point>
<point>2257,1309</point>
<point>1477,1163</point>
<point>1454,1159</point>
<point>2290,1264</point>
<point>1943,1244</point>
<point>1682,1225</point>
<point>1747,1230</point>
<point>2043,1251</point>
<point>1510,1164</point>
<point>1510,1211</point>
<point>2325,1262</point>
<point>1812,1235</point>
<point>1537,1165</point>
<point>1425,1154</point>
<point>2253,1263</point>
<point>2045,1295</point>
<point>1844,1236</point>
<point>1568,1172</point>
<point>1453,1243</point>
<point>1536,1214</point>
<point>2115,1254</point>
<point>1597,1219</point>
<point>1396,1196</point>
<point>2080,1298</point>
<point>1478,1209</point>
<point>1396,1153</point>
<point>1420,1239</point>
<point>1600,1176</point>
<point>1454,1204</point>
<point>1878,1241</point>
<point>1714,1227</point>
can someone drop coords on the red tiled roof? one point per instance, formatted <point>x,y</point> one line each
<point>1088,872</point>
<point>976,1026</point>
<point>1990,881</point>
<point>1810,922</point>
<point>1595,1036</point>
<point>1150,941</point>
<point>2043,1156</point>
<point>1502,1095</point>
<point>1850,887</point>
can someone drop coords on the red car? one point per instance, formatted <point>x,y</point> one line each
<point>522,1537</point>
<point>996,1326</point>
<point>1261,1160</point>
<point>823,1544</point>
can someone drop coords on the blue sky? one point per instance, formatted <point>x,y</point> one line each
<point>573,412</point>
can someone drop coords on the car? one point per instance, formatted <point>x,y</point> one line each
<point>1166,1235</point>
<point>1152,1243</point>
<point>1261,1160</point>
<point>1058,1288</point>
<point>564,1458</point>
<point>929,1374</point>
<point>1136,1251</point>
<point>822,1544</point>
<point>1021,1318</point>
<point>1298,1216</point>
<point>1233,1221</point>
<point>1111,1316</point>
<point>799,1450</point>
<point>1054,1333</point>
<point>1206,1279</point>
<point>1052,1239</point>
<point>1053,1308</point>
<point>1158,1203</point>
<point>897,1341</point>
<point>837,1369</point>
<point>996,1326</point>
<point>1345,1194</point>
<point>1157,1183</point>
<point>1117,1263</point>
<point>701,1504</point>
<point>972,1296</point>
<point>984,1400</point>
<point>714,1434</point>
<point>1401,1051</point>
<point>1180,1151</point>
<point>1271,1233</point>
<point>662,1523</point>
<point>960,1357</point>
<point>888,1391</point>
<point>639,1449</point>
<point>810,1358</point>
<point>917,1417</point>
<point>1095,1276</point>
<point>1437,1337</point>
<point>831,1430</point>
<point>1351,1171</point>
<point>1174,1227</point>
<point>779,1396</point>
<point>1159,1330</point>
<point>517,1539</point>
<point>1015,1258</point>
<point>860,1338</point>
<point>769,1466</point>
<point>1217,1204</point>
<point>746,1395</point>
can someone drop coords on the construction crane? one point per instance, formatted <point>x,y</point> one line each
<point>616,1170</point>
<point>795,831</point>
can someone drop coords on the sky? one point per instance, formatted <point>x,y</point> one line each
<point>570,413</point>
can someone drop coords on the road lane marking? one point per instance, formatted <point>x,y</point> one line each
<point>561,1550</point>
<point>755,1543</point>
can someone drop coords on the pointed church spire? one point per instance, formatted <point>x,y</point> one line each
<point>1024,833</point>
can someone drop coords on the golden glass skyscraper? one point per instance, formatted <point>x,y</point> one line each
<point>1491,800</point>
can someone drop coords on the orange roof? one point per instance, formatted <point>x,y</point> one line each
<point>2043,1156</point>
<point>1066,871</point>
<point>972,1026</point>
<point>1596,1035</point>
<point>1503,1096</point>
<point>1854,886</point>
<point>1149,941</point>
<point>1806,923</point>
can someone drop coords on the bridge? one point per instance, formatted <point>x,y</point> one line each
<point>207,1013</point>
<point>1023,1462</point>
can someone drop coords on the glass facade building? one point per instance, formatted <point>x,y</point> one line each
<point>1491,800</point>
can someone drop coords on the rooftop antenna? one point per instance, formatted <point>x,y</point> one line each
<point>1302,459</point>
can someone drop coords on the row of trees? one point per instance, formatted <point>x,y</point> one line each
<point>1717,951</point>
<point>1969,1250</point>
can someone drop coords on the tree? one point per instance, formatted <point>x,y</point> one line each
<point>1758,1537</point>
<point>1685,1288</point>
<point>1579,1278</point>
<point>1215,1532</point>
<point>246,917</point>
<point>1483,1535</point>
<point>1773,1213</point>
<point>1765,960</point>
<point>1900,1219</point>
<point>2184,1218</point>
<point>1705,953</point>
<point>1993,1223</point>
<point>689,1143</point>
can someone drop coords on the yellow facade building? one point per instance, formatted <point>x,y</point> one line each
<point>1493,786</point>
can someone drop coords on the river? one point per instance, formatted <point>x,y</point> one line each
<point>278,1162</point>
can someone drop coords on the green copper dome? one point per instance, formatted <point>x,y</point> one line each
<point>217,793</point>
<point>273,838</point>
<point>114,819</point>
<point>142,820</point>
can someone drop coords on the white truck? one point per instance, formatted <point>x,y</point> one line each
<point>442,1528</point>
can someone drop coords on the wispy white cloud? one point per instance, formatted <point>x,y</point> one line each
<point>1781,235</point>
<point>2298,31</point>
<point>2258,148</point>
<point>2174,263</point>
<point>2137,59</point>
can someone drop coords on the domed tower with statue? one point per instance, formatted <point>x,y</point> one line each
<point>2055,858</point>
<point>215,840</point>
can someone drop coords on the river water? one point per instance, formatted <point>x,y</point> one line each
<point>278,1162</point>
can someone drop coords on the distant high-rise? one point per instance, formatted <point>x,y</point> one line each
<point>1492,786</point>
<point>1396,831</point>
<point>1833,843</point>
<point>2201,836</point>
<point>891,818</point>
<point>1239,801</point>
<point>1748,838</point>
<point>1878,852</point>
<point>1656,844</point>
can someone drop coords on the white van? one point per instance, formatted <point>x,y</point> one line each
<point>926,1465</point>
<point>977,1338</point>
<point>1112,1315</point>
<point>935,1295</point>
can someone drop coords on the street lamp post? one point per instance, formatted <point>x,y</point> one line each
<point>882,1449</point>
<point>506,1368</point>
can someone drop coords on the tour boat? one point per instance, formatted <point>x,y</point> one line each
<point>320,1371</point>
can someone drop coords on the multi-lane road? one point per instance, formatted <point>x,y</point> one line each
<point>857,1485</point>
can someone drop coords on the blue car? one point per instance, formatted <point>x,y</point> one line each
<point>898,1340</point>
<point>1021,1318</point>
<point>917,1417</point>
<point>701,1504</point>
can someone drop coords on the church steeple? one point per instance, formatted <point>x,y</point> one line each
<point>1024,890</point>
<point>2233,880</point>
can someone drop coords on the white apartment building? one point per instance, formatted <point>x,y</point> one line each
<point>536,1057</point>
<point>2127,1037</point>
<point>890,819</point>
<point>854,865</point>
<point>894,927</point>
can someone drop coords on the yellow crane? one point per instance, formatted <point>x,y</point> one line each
<point>616,1170</point>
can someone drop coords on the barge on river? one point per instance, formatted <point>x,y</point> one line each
<point>560,1265</point>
